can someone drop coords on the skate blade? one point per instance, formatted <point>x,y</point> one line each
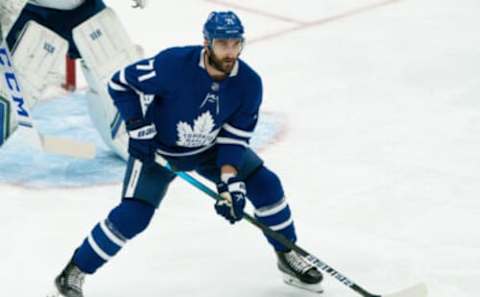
<point>293,281</point>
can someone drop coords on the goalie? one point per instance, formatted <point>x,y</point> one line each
<point>47,30</point>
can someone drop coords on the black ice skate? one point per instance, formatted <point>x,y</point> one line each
<point>69,283</point>
<point>298,272</point>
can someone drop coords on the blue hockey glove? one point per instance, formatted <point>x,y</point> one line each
<point>233,192</point>
<point>141,144</point>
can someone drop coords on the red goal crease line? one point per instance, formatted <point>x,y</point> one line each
<point>301,25</point>
<point>257,12</point>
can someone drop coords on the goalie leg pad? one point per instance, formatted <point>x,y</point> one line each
<point>106,120</point>
<point>11,92</point>
<point>9,12</point>
<point>105,47</point>
<point>7,118</point>
<point>38,54</point>
<point>61,22</point>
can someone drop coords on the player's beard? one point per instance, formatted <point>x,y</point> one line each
<point>223,65</point>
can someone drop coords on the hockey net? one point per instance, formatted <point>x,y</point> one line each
<point>70,79</point>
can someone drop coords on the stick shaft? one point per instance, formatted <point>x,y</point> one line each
<point>275,235</point>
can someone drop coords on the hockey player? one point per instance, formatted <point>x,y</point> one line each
<point>203,113</point>
<point>47,29</point>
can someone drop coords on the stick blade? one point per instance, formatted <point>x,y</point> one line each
<point>68,147</point>
<point>419,290</point>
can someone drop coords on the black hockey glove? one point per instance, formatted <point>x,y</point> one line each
<point>233,193</point>
<point>141,144</point>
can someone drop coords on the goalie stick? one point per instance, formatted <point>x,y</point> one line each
<point>418,290</point>
<point>26,127</point>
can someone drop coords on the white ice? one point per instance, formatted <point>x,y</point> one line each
<point>380,162</point>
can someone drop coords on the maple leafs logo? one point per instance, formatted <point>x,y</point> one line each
<point>200,134</point>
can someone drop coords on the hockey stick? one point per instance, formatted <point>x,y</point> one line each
<point>418,290</point>
<point>26,126</point>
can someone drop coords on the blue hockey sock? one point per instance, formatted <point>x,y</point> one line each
<point>107,238</point>
<point>265,192</point>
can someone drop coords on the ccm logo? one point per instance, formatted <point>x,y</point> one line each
<point>12,83</point>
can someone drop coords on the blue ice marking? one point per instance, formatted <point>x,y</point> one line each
<point>68,117</point>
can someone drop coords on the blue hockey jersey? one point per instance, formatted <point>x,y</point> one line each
<point>191,111</point>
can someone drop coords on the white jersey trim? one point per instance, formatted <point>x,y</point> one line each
<point>110,235</point>
<point>116,87</point>
<point>123,80</point>
<point>272,209</point>
<point>161,152</point>
<point>226,140</point>
<point>235,131</point>
<point>282,225</point>
<point>97,249</point>
<point>134,177</point>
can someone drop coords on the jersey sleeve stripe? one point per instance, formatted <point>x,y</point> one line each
<point>122,78</point>
<point>116,87</point>
<point>226,140</point>
<point>238,132</point>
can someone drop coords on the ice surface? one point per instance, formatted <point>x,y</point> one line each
<point>381,160</point>
<point>36,169</point>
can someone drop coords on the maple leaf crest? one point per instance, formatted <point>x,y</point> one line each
<point>200,134</point>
